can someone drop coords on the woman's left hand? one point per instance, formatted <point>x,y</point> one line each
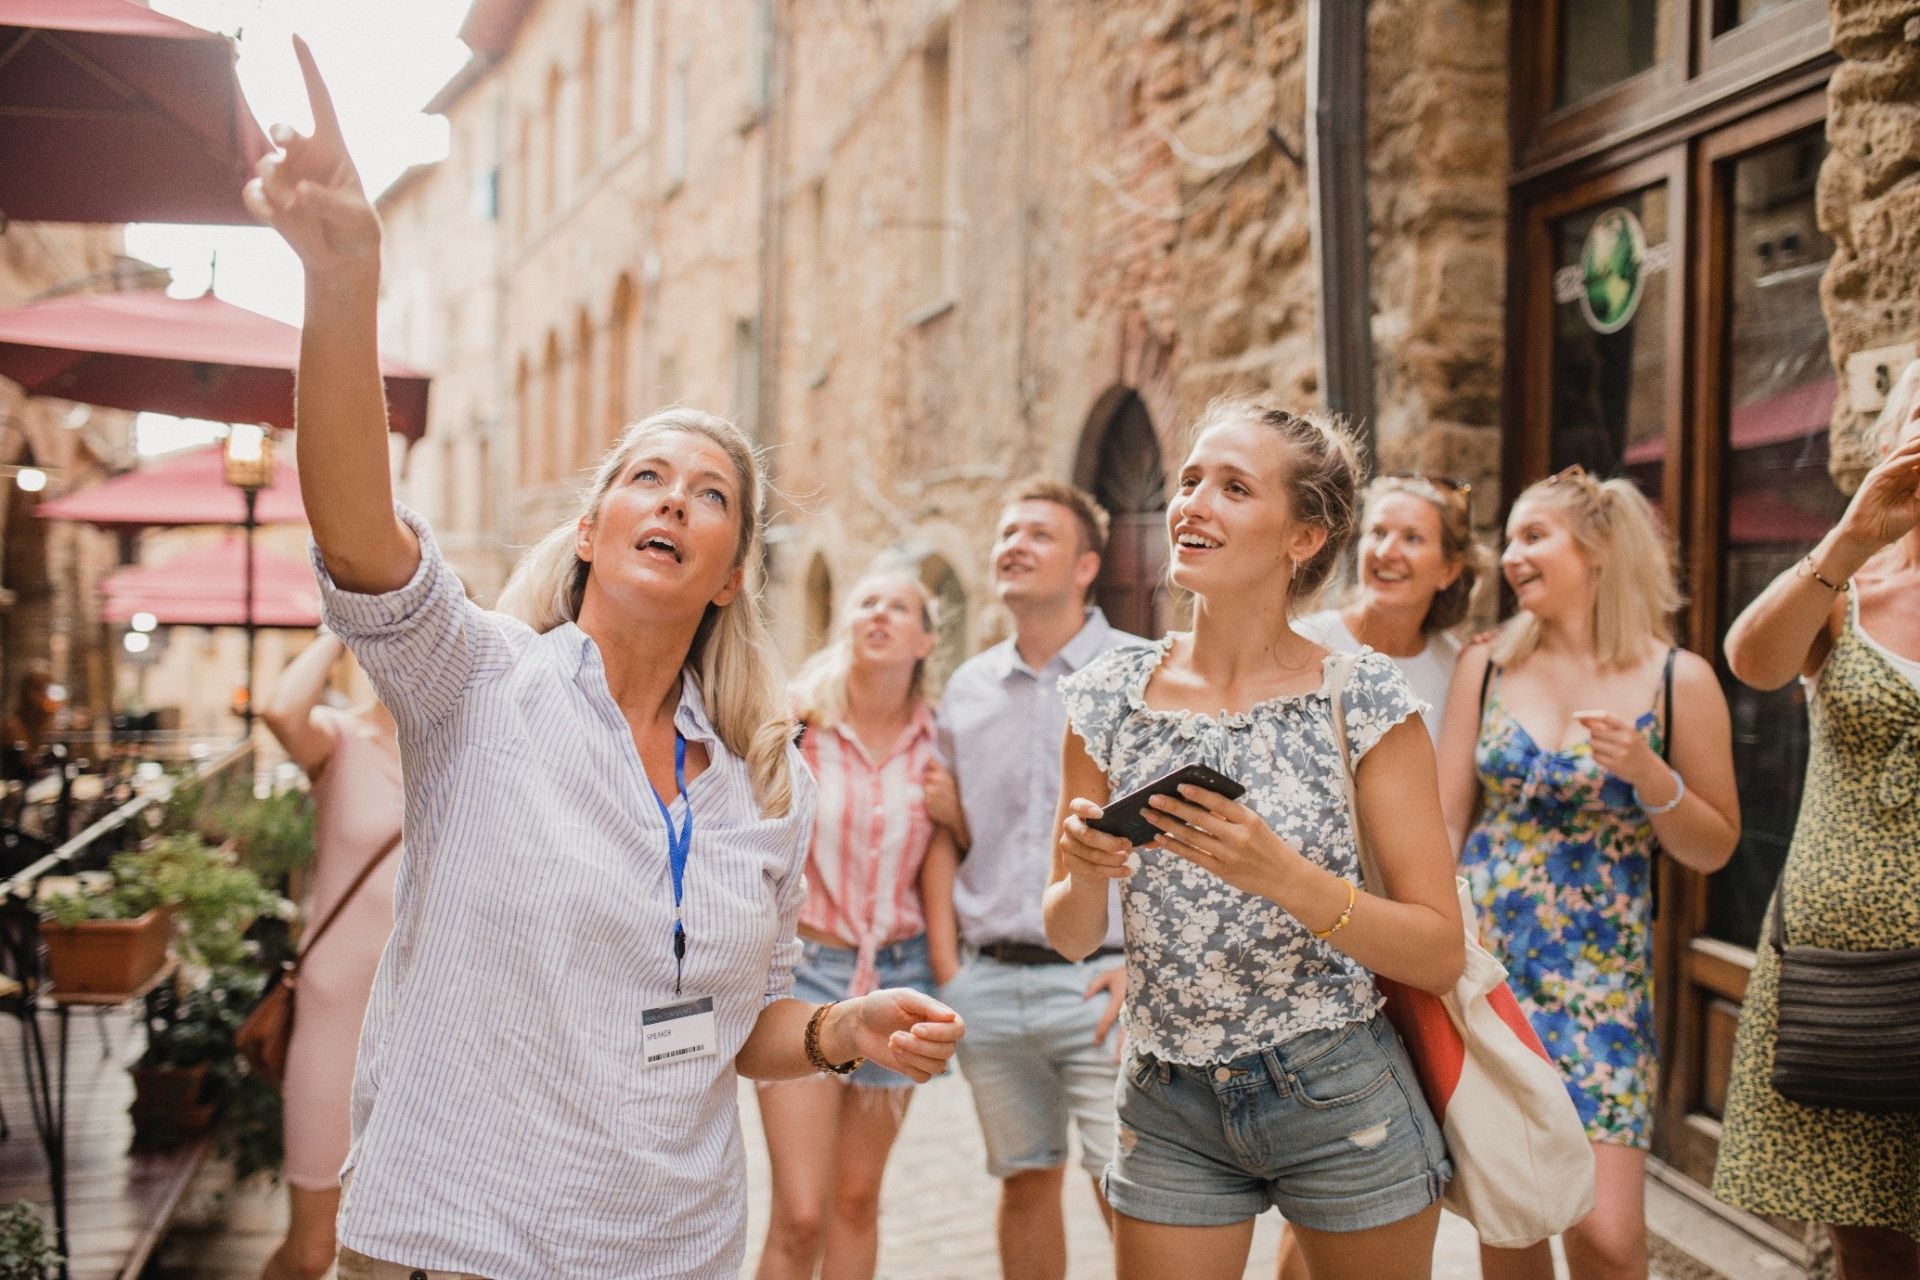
<point>911,1033</point>
<point>1223,836</point>
<point>1622,750</point>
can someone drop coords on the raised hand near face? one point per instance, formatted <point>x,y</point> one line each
<point>310,192</point>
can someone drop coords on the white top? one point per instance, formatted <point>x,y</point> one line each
<point>503,1124</point>
<point>1908,667</point>
<point>1430,671</point>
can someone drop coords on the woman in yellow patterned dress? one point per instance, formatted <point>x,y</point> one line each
<point>1847,619</point>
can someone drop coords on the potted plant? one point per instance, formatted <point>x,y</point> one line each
<point>106,943</point>
<point>25,1253</point>
<point>178,1081</point>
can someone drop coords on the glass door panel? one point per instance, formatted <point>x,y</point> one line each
<point>1610,325</point>
<point>1602,42</point>
<point>1778,496</point>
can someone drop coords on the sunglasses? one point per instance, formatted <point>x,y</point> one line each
<point>1456,490</point>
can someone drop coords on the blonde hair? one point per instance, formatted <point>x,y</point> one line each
<point>1895,412</point>
<point>1635,591</point>
<point>732,660</point>
<point>1322,479</point>
<point>1457,543</point>
<point>820,688</point>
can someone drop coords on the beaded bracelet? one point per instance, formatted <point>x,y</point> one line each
<point>1808,569</point>
<point>817,1059</point>
<point>1346,914</point>
<point>1679,794</point>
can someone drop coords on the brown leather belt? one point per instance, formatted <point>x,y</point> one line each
<point>1026,953</point>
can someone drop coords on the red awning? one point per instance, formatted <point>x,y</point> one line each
<point>206,587</point>
<point>194,357</point>
<point>1792,414</point>
<point>190,488</point>
<point>110,112</point>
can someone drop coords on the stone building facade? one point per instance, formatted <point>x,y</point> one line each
<point>923,247</point>
<point>50,570</point>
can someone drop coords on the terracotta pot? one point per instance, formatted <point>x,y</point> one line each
<point>107,957</point>
<point>167,1108</point>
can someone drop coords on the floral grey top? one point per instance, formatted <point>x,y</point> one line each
<point>1214,973</point>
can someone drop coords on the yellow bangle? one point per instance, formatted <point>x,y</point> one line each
<point>1345,915</point>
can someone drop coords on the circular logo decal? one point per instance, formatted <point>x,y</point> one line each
<point>1613,265</point>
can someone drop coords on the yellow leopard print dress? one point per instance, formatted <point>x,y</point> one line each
<point>1853,878</point>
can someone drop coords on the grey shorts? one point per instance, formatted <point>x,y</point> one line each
<point>1329,1127</point>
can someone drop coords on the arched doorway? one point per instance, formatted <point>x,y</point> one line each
<point>950,648</point>
<point>1120,465</point>
<point>819,604</point>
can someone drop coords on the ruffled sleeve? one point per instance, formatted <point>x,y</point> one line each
<point>1377,697</point>
<point>1096,699</point>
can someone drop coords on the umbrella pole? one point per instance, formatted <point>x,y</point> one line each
<point>253,497</point>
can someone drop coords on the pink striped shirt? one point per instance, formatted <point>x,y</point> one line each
<point>870,835</point>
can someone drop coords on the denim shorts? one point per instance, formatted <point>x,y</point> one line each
<point>1329,1127</point>
<point>826,973</point>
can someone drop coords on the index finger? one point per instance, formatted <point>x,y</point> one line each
<point>326,121</point>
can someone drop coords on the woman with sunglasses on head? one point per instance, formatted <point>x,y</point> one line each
<point>1419,562</point>
<point>1561,730</point>
<point>1260,1070</point>
<point>1846,619</point>
<point>606,823</point>
<point>868,738</point>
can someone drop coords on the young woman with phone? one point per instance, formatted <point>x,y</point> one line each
<point>606,822</point>
<point>1260,1071</point>
<point>868,738</point>
<point>1559,731</point>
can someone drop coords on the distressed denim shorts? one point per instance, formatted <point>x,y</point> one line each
<point>1329,1127</point>
<point>826,973</point>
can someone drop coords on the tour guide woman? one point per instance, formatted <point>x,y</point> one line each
<point>606,824</point>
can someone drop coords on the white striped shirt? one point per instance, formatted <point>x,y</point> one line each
<point>503,1122</point>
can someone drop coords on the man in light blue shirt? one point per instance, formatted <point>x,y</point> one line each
<point>1037,1052</point>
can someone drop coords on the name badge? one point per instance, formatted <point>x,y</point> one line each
<point>677,1031</point>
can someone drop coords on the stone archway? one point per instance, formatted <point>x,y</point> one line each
<point>950,648</point>
<point>1121,465</point>
<point>819,604</point>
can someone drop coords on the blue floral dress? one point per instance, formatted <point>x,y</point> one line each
<point>1560,865</point>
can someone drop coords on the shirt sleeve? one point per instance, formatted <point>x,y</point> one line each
<point>1096,701</point>
<point>1377,697</point>
<point>423,644</point>
<point>790,890</point>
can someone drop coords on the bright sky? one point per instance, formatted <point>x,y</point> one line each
<point>383,60</point>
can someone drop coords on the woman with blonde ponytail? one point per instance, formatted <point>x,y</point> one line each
<point>606,825</point>
<point>1588,741</point>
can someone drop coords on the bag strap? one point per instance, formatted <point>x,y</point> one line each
<point>1340,670</point>
<point>1486,683</point>
<point>1666,695</point>
<point>326,922</point>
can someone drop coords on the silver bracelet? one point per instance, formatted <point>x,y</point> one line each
<point>1680,793</point>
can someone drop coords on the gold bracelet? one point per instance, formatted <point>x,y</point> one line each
<point>1812,570</point>
<point>1345,915</point>
<point>817,1059</point>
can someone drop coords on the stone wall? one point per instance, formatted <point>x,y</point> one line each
<point>1869,198</point>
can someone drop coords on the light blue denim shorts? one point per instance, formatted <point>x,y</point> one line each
<point>826,973</point>
<point>1329,1127</point>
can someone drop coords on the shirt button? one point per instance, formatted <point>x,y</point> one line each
<point>1223,1074</point>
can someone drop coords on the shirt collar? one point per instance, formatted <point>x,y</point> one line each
<point>577,647</point>
<point>1088,643</point>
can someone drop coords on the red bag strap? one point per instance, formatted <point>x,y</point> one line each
<point>327,921</point>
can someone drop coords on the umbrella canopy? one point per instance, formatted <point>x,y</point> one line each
<point>189,489</point>
<point>205,587</point>
<point>194,357</point>
<point>110,112</point>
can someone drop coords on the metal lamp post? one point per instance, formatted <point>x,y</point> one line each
<point>249,458</point>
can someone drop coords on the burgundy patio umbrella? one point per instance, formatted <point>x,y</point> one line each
<point>205,587</point>
<point>193,357</point>
<point>110,112</point>
<point>188,489</point>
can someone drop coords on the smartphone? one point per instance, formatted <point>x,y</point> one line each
<point>1127,815</point>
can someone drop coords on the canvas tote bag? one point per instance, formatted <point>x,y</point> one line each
<point>1522,1165</point>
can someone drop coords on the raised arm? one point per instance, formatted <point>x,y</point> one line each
<point>310,193</point>
<point>1788,628</point>
<point>290,704</point>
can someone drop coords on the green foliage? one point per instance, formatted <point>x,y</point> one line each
<point>25,1253</point>
<point>214,898</point>
<point>274,834</point>
<point>200,1032</point>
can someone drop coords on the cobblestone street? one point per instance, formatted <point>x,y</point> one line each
<point>936,1216</point>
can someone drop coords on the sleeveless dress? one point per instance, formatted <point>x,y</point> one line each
<point>1559,865</point>
<point>1852,878</point>
<point>357,802</point>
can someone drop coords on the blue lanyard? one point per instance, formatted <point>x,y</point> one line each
<point>679,845</point>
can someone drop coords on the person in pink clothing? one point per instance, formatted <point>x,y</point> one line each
<point>353,761</point>
<point>868,738</point>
